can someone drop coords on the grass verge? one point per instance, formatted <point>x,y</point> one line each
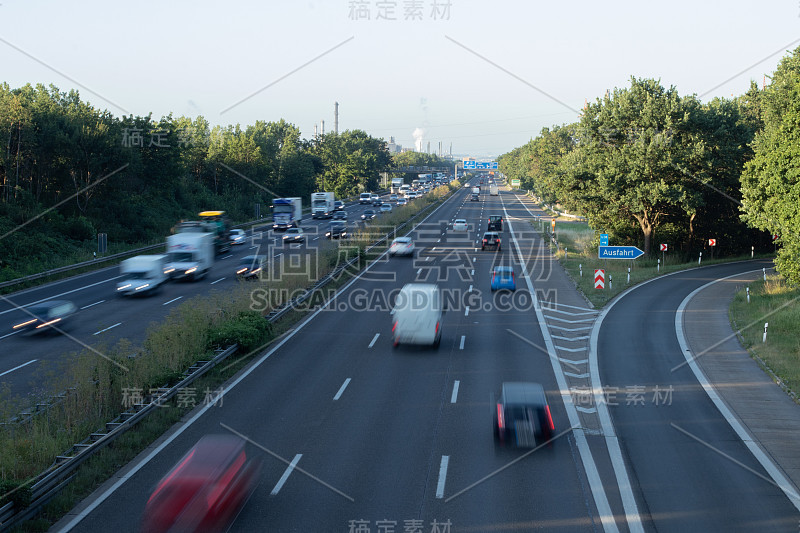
<point>776,303</point>
<point>580,261</point>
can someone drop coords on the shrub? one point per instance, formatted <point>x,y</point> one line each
<point>249,330</point>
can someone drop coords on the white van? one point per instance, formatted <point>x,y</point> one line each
<point>365,198</point>
<point>417,315</point>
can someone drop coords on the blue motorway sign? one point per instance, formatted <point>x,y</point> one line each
<point>618,252</point>
<point>480,165</point>
<point>604,239</point>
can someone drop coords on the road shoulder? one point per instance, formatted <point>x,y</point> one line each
<point>771,417</point>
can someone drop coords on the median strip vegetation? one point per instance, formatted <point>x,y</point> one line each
<point>103,381</point>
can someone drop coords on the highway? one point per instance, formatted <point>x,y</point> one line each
<point>104,317</point>
<point>395,434</point>
<point>357,434</point>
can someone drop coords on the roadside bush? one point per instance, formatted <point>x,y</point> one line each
<point>249,330</point>
<point>12,491</point>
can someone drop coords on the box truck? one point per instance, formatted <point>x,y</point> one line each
<point>396,184</point>
<point>286,213</point>
<point>189,255</point>
<point>322,204</point>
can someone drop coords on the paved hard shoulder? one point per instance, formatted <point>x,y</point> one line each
<point>770,415</point>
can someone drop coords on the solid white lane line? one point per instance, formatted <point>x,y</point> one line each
<point>375,338</point>
<point>286,474</point>
<point>442,476</point>
<point>62,294</point>
<point>461,347</point>
<point>9,334</point>
<point>341,389</point>
<point>108,328</point>
<point>173,300</point>
<point>454,396</point>
<point>92,305</point>
<point>220,279</point>
<point>18,367</point>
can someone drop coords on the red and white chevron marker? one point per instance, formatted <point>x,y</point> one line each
<point>712,242</point>
<point>599,279</point>
<point>663,247</point>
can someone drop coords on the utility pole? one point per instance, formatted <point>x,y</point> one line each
<point>336,118</point>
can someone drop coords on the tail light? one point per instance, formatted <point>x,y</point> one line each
<point>437,328</point>
<point>512,276</point>
<point>484,240</point>
<point>494,275</point>
<point>549,417</point>
<point>394,326</point>
<point>500,419</point>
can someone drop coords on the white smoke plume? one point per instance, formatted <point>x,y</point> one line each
<point>418,134</point>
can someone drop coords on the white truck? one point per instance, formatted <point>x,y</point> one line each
<point>143,274</point>
<point>189,255</point>
<point>493,190</point>
<point>286,213</point>
<point>322,204</point>
<point>396,184</point>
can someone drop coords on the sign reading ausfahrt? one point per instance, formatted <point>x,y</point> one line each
<point>618,252</point>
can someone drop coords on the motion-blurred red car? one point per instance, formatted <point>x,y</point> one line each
<point>206,489</point>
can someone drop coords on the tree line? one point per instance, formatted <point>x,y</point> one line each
<point>69,170</point>
<point>650,166</point>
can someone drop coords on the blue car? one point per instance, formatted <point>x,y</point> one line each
<point>503,278</point>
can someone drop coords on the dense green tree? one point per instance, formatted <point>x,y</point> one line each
<point>771,180</point>
<point>352,162</point>
<point>627,164</point>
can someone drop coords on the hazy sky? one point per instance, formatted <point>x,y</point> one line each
<point>484,76</point>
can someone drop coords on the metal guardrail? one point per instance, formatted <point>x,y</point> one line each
<point>77,265</point>
<point>45,486</point>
